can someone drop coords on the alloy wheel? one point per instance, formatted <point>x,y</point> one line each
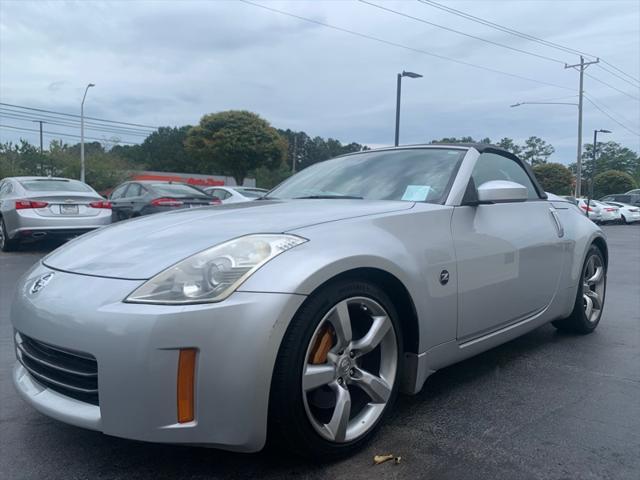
<point>593,288</point>
<point>350,369</point>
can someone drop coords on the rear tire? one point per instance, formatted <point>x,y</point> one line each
<point>589,304</point>
<point>623,220</point>
<point>308,419</point>
<point>6,244</point>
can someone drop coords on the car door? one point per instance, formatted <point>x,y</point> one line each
<point>508,254</point>
<point>136,199</point>
<point>119,202</point>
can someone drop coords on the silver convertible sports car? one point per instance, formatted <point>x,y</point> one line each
<point>300,316</point>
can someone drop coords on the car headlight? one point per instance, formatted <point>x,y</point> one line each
<point>213,274</point>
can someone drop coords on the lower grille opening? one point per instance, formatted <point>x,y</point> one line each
<point>71,373</point>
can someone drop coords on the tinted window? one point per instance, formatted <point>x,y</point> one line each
<point>135,190</point>
<point>118,192</point>
<point>411,175</point>
<point>4,188</point>
<point>496,167</point>
<point>175,190</point>
<point>54,185</point>
<point>219,193</point>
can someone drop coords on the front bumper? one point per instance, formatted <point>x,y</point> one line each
<point>137,346</point>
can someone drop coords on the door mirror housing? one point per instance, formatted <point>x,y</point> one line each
<point>500,191</point>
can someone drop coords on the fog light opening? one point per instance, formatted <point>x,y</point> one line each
<point>186,385</point>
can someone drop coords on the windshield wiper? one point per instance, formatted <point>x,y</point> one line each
<point>347,197</point>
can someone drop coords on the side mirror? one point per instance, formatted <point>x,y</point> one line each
<point>497,191</point>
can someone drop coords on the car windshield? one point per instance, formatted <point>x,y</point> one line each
<point>177,190</point>
<point>418,174</point>
<point>54,185</point>
<point>251,192</point>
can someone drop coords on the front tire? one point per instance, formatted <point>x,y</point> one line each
<point>337,371</point>
<point>6,244</point>
<point>587,310</point>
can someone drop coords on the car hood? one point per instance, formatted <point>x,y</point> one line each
<point>141,248</point>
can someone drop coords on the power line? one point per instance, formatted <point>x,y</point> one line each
<point>78,116</point>
<point>610,116</point>
<point>60,134</point>
<point>422,20</point>
<point>4,112</point>
<point>612,87</point>
<point>621,71</point>
<point>406,47</point>
<point>636,85</point>
<point>526,36</point>
<point>504,29</point>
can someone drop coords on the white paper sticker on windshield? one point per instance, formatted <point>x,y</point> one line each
<point>416,193</point>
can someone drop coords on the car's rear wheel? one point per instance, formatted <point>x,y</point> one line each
<point>623,220</point>
<point>589,304</point>
<point>337,371</point>
<point>6,244</point>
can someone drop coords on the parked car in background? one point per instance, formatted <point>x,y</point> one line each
<point>236,194</point>
<point>628,213</point>
<point>593,211</point>
<point>608,213</point>
<point>635,191</point>
<point>134,199</point>
<point>628,198</point>
<point>38,207</point>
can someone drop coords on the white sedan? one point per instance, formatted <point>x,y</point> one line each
<point>609,213</point>
<point>628,213</point>
<point>236,194</point>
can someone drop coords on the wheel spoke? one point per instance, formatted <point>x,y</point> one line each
<point>588,308</point>
<point>374,336</point>
<point>317,375</point>
<point>595,299</point>
<point>341,323</point>
<point>376,387</point>
<point>337,426</point>
<point>596,277</point>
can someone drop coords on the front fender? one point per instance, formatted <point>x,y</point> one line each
<point>413,247</point>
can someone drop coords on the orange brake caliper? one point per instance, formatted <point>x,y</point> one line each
<point>324,342</point>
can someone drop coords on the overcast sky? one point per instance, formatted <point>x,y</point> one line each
<point>168,63</point>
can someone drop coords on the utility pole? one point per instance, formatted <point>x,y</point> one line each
<point>40,122</point>
<point>581,68</point>
<point>593,169</point>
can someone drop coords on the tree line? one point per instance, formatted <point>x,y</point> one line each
<point>242,144</point>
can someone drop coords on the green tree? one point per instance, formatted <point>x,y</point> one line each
<point>554,178</point>
<point>510,146</point>
<point>164,150</point>
<point>235,142</point>
<point>610,156</point>
<point>612,181</point>
<point>536,151</point>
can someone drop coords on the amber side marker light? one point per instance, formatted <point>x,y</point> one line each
<point>186,385</point>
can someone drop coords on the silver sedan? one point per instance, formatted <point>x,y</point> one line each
<point>303,314</point>
<point>38,207</point>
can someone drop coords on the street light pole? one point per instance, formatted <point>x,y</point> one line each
<point>593,170</point>
<point>82,170</point>
<point>398,92</point>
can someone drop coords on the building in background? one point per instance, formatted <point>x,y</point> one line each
<point>191,178</point>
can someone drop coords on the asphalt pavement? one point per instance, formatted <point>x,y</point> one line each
<point>544,406</point>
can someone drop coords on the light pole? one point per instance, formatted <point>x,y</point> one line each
<point>579,162</point>
<point>82,131</point>
<point>593,169</point>
<point>398,90</point>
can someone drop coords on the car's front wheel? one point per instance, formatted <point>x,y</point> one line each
<point>6,244</point>
<point>337,370</point>
<point>589,303</point>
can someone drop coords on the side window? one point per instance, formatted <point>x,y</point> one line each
<point>3,187</point>
<point>135,190</point>
<point>118,192</point>
<point>491,166</point>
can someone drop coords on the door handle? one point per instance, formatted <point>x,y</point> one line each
<point>557,222</point>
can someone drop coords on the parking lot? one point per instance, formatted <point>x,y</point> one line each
<point>546,405</point>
